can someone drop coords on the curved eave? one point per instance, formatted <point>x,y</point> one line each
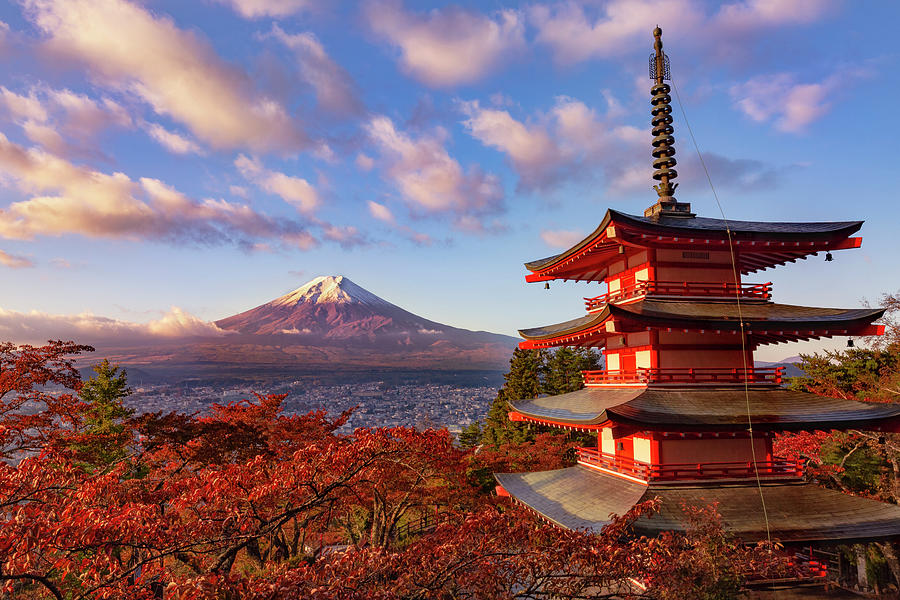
<point>583,498</point>
<point>791,241</point>
<point>708,409</point>
<point>770,322</point>
<point>543,263</point>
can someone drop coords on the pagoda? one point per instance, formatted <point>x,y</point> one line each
<point>680,411</point>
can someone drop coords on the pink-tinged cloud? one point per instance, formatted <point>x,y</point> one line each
<point>171,141</point>
<point>335,91</point>
<point>381,212</point>
<point>384,214</point>
<point>21,107</point>
<point>573,140</point>
<point>84,116</point>
<point>14,261</point>
<point>760,14</point>
<point>574,36</point>
<point>293,190</point>
<point>428,178</point>
<point>257,9</point>
<point>364,162</point>
<point>72,199</point>
<point>622,26</point>
<point>59,120</point>
<point>569,140</point>
<point>790,105</point>
<point>179,74</point>
<point>449,46</point>
<point>561,238</point>
<point>36,327</point>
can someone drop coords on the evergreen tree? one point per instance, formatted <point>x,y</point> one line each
<point>522,381</point>
<point>562,369</point>
<point>471,435</point>
<point>106,438</point>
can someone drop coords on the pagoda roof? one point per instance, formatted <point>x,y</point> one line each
<point>771,322</point>
<point>757,238</point>
<point>708,408</point>
<point>585,498</point>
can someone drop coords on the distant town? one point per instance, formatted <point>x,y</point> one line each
<point>379,403</point>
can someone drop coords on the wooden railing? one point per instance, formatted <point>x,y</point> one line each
<point>778,467</point>
<point>690,375</point>
<point>752,291</point>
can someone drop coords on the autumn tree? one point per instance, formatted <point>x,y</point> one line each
<point>38,386</point>
<point>855,461</point>
<point>248,502</point>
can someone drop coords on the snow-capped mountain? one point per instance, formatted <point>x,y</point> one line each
<point>334,309</point>
<point>327,325</point>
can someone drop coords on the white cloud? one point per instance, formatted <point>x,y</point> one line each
<point>71,199</point>
<point>172,141</point>
<point>534,154</point>
<point>85,116</point>
<point>429,179</point>
<point>561,238</point>
<point>293,190</point>
<point>45,114</point>
<point>335,90</point>
<point>24,108</point>
<point>175,71</point>
<point>255,9</point>
<point>790,105</point>
<point>381,212</point>
<point>14,261</point>
<point>622,26</point>
<point>573,140</point>
<point>569,140</point>
<point>364,162</point>
<point>36,327</point>
<point>448,46</point>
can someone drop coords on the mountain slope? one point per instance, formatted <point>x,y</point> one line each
<point>334,310</point>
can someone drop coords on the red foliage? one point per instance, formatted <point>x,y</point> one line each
<point>248,502</point>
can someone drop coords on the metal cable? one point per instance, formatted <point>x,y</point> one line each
<point>737,283</point>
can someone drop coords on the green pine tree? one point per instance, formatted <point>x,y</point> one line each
<point>522,381</point>
<point>562,369</point>
<point>107,438</point>
<point>471,435</point>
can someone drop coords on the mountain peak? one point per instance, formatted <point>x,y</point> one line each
<point>329,289</point>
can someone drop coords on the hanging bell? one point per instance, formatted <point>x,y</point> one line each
<point>849,343</point>
<point>621,249</point>
<point>547,286</point>
<point>828,257</point>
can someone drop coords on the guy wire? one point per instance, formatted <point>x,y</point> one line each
<point>737,282</point>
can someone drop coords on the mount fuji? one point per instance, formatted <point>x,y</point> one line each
<point>333,308</point>
<point>329,324</point>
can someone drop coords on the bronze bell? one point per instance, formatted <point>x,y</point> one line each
<point>547,286</point>
<point>828,257</point>
<point>850,343</point>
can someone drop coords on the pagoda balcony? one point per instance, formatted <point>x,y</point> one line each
<point>684,289</point>
<point>684,375</point>
<point>777,468</point>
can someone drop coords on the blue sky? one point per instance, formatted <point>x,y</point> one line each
<point>170,163</point>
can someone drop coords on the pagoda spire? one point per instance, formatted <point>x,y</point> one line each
<point>663,141</point>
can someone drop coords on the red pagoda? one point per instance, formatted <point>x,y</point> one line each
<point>680,411</point>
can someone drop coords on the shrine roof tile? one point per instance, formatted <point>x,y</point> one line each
<point>584,498</point>
<point>718,408</point>
<point>712,315</point>
<point>810,231</point>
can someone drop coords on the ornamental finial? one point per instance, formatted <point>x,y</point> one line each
<point>663,142</point>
